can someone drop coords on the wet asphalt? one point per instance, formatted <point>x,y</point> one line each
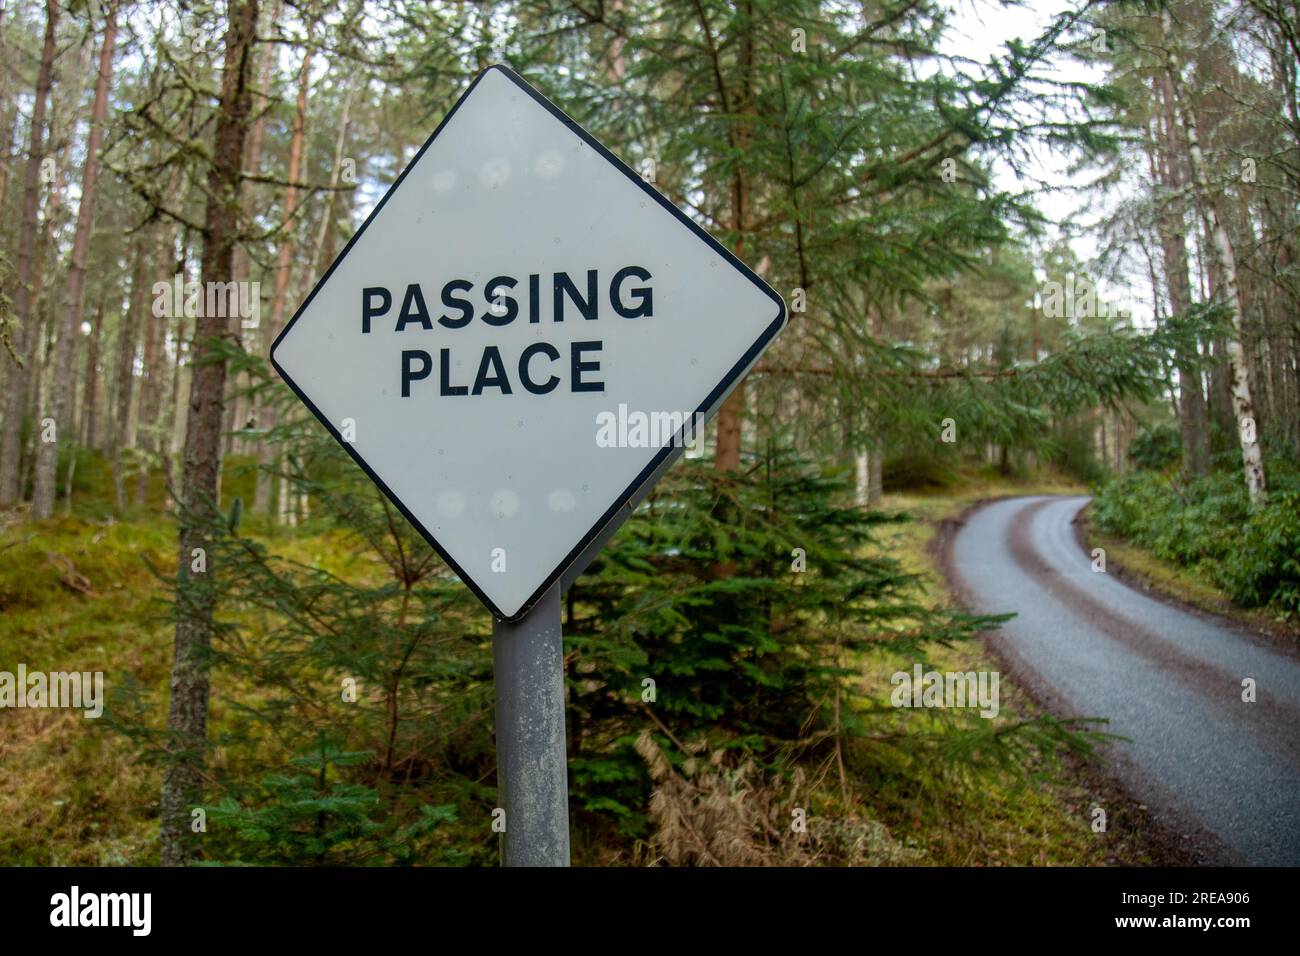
<point>1169,680</point>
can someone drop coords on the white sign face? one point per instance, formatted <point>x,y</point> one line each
<point>512,342</point>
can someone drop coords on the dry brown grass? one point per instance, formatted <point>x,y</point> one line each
<point>716,812</point>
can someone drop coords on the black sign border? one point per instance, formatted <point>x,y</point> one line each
<point>725,386</point>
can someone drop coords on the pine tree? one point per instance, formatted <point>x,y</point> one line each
<point>188,714</point>
<point>24,275</point>
<point>63,387</point>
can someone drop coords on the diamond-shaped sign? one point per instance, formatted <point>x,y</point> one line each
<point>512,342</point>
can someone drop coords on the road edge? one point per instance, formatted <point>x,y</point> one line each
<point>1275,636</point>
<point>1162,842</point>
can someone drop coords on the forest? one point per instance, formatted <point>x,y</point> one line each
<point>1047,248</point>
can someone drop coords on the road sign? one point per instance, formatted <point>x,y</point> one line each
<point>511,344</point>
<point>514,346</point>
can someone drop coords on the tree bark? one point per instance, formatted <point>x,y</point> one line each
<point>1222,251</point>
<point>153,373</point>
<point>90,397</point>
<point>266,414</point>
<point>9,123</point>
<point>42,309</point>
<point>726,456</point>
<point>1192,416</point>
<point>171,422</point>
<point>63,385</point>
<point>327,219</point>
<point>187,718</point>
<point>243,262</point>
<point>128,331</point>
<point>28,336</point>
<point>152,435</point>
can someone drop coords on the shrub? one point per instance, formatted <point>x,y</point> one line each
<point>1265,564</point>
<point>1156,447</point>
<point>1207,524</point>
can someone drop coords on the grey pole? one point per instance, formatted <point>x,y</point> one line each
<point>532,763</point>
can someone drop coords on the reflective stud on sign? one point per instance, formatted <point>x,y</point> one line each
<point>515,284</point>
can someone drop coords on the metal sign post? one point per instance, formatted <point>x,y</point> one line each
<point>532,765</point>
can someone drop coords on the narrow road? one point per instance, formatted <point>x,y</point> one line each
<point>1167,679</point>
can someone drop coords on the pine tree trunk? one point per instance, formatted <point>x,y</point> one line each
<point>63,384</point>
<point>23,295</point>
<point>323,233</point>
<point>90,398</point>
<point>876,454</point>
<point>1192,415</point>
<point>868,474</point>
<point>1287,347</point>
<point>726,456</point>
<point>187,718</point>
<point>128,331</point>
<point>238,412</point>
<point>67,482</point>
<point>284,498</point>
<point>171,420</point>
<point>1220,385</point>
<point>9,122</point>
<point>266,414</point>
<point>146,430</point>
<point>151,434</point>
<point>1222,252</point>
<point>42,320</point>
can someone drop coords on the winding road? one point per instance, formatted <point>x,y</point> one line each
<point>1169,680</point>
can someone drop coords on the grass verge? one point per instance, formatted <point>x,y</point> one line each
<point>1141,569</point>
